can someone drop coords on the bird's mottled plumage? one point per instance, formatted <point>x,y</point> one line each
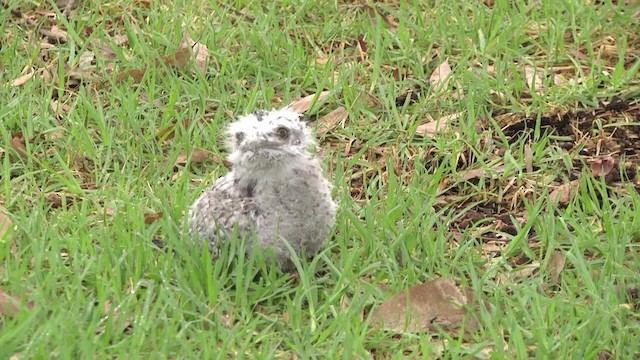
<point>275,192</point>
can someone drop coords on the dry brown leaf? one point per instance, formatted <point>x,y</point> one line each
<point>579,55</point>
<point>19,144</point>
<point>520,274</point>
<point>59,200</point>
<point>528,158</point>
<point>565,192</point>
<point>433,127</point>
<point>429,306</point>
<point>11,305</point>
<point>473,174</point>
<point>559,80</point>
<point>602,165</point>
<point>105,50</point>
<point>21,80</point>
<point>201,52</point>
<point>153,217</point>
<point>490,247</point>
<point>329,121</point>
<point>5,225</point>
<point>441,76</point>
<point>86,59</point>
<point>55,35</point>
<point>556,265</point>
<point>363,49</point>
<point>136,74</point>
<point>49,75</point>
<point>534,78</point>
<point>303,104</point>
<point>525,271</point>
<point>59,108</point>
<point>198,155</point>
<point>179,59</point>
<point>491,172</point>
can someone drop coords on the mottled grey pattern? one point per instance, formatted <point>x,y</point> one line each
<point>276,191</point>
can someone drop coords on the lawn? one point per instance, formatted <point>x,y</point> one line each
<point>495,144</point>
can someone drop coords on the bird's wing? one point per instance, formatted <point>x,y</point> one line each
<point>221,208</point>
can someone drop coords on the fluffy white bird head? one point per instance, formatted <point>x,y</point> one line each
<point>267,137</point>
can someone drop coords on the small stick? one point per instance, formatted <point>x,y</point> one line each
<point>67,9</point>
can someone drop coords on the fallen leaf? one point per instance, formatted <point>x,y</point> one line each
<point>59,108</point>
<point>435,126</point>
<point>491,172</point>
<point>179,59</point>
<point>534,78</point>
<point>602,165</point>
<point>528,158</point>
<point>579,55</point>
<point>19,144</point>
<point>21,80</point>
<point>495,247</point>
<point>363,49</point>
<point>86,59</point>
<point>105,50</point>
<point>303,104</point>
<point>59,200</point>
<point>559,79</point>
<point>135,74</point>
<point>48,75</point>
<point>107,308</point>
<point>198,155</point>
<point>55,35</point>
<point>201,52</point>
<point>556,265</point>
<point>5,225</point>
<point>525,272</point>
<point>565,192</point>
<point>396,74</point>
<point>429,306</point>
<point>151,218</point>
<point>11,305</point>
<point>520,274</point>
<point>441,76</point>
<point>329,121</point>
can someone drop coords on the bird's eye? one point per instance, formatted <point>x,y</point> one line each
<point>283,133</point>
<point>239,137</point>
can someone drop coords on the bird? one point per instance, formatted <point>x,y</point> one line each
<point>275,193</point>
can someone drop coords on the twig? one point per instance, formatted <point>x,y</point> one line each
<point>67,9</point>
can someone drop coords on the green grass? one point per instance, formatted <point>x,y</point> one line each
<point>101,289</point>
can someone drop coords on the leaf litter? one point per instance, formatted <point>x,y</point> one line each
<point>430,306</point>
<point>602,148</point>
<point>5,225</point>
<point>11,305</point>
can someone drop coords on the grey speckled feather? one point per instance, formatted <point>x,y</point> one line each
<point>276,191</point>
